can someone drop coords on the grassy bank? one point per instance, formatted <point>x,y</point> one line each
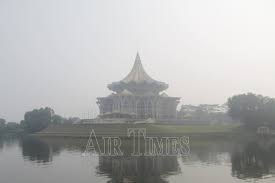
<point>151,130</point>
<point>196,128</point>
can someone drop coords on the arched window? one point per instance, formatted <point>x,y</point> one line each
<point>150,110</point>
<point>141,109</point>
<point>126,107</point>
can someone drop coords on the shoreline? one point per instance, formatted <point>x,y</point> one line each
<point>153,130</point>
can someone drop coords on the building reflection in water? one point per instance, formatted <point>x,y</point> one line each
<point>138,169</point>
<point>253,159</point>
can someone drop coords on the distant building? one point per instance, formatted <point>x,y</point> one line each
<point>263,130</point>
<point>138,96</point>
<point>205,113</point>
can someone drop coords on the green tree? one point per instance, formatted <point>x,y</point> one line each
<point>37,120</point>
<point>253,110</point>
<point>2,123</point>
<point>2,126</point>
<point>13,128</point>
<point>56,119</point>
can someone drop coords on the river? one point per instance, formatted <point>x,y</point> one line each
<point>61,160</point>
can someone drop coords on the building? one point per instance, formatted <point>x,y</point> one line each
<point>204,114</point>
<point>138,96</point>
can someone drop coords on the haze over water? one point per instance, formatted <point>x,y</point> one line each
<point>62,54</point>
<point>47,160</point>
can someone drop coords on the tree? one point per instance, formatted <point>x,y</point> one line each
<point>2,126</point>
<point>56,119</point>
<point>13,128</point>
<point>2,123</point>
<point>37,120</point>
<point>253,110</point>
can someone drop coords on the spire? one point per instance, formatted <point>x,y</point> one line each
<point>138,73</point>
<point>137,57</point>
<point>138,81</point>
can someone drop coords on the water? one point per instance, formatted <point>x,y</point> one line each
<point>50,160</point>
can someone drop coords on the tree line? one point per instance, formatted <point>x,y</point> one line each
<point>35,121</point>
<point>9,127</point>
<point>250,109</point>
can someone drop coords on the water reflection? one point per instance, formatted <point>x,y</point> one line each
<point>37,150</point>
<point>138,169</point>
<point>248,159</point>
<point>209,150</point>
<point>1,143</point>
<point>118,169</point>
<point>254,160</point>
<point>8,142</point>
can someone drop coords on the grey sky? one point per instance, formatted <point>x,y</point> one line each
<point>63,53</point>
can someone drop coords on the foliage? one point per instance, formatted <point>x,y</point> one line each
<point>2,126</point>
<point>2,122</point>
<point>57,119</point>
<point>13,128</point>
<point>9,128</point>
<point>252,110</point>
<point>37,120</point>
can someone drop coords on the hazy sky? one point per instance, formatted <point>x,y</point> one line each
<point>63,53</point>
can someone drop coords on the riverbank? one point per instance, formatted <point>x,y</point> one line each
<point>120,130</point>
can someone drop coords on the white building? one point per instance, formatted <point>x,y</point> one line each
<point>138,96</point>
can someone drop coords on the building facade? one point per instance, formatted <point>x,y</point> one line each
<point>138,96</point>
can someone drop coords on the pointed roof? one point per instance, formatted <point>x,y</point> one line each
<point>138,81</point>
<point>138,74</point>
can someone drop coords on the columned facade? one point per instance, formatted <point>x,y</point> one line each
<point>138,96</point>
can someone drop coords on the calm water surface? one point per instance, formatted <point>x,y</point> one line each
<point>60,160</point>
